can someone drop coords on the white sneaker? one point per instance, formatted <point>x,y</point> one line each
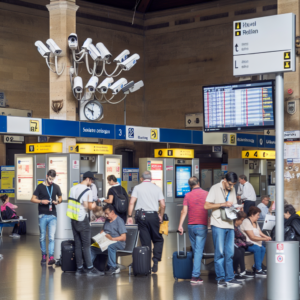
<point>15,235</point>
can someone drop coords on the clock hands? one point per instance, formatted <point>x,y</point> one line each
<point>91,111</point>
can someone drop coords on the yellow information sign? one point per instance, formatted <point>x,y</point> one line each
<point>175,153</point>
<point>44,148</point>
<point>7,180</point>
<point>154,134</point>
<point>259,154</point>
<point>91,149</point>
<point>34,125</point>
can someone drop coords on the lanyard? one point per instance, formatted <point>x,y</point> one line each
<point>227,196</point>
<point>50,194</point>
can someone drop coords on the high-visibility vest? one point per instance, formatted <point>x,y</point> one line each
<point>74,204</point>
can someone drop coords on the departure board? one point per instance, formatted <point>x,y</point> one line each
<point>239,106</point>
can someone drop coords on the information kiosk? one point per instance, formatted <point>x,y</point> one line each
<point>171,170</point>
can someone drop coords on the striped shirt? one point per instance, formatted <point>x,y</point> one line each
<point>195,201</point>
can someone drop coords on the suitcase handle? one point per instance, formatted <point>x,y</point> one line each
<point>184,249</point>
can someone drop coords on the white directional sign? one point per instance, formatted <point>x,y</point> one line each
<point>264,45</point>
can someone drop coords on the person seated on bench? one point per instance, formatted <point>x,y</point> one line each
<point>5,207</point>
<point>115,230</point>
<point>240,246</point>
<point>254,235</point>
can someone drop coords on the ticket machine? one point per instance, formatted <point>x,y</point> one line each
<point>171,170</point>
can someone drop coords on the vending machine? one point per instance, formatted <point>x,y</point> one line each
<point>171,170</point>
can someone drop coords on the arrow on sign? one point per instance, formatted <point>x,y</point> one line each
<point>236,46</point>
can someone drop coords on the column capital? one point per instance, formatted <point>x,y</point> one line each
<point>62,4</point>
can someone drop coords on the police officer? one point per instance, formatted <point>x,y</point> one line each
<point>147,217</point>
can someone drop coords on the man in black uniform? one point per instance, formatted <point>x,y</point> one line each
<point>47,195</point>
<point>147,196</point>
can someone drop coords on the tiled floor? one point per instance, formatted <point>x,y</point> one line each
<point>22,277</point>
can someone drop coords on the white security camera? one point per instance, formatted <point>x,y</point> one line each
<point>53,47</point>
<point>127,86</point>
<point>121,57</point>
<point>118,85</point>
<point>105,54</point>
<point>136,86</point>
<point>127,64</point>
<point>78,85</point>
<point>73,41</point>
<point>94,53</point>
<point>105,84</point>
<point>92,84</point>
<point>86,43</point>
<point>44,51</point>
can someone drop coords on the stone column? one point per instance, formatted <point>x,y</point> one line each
<point>62,18</point>
<point>292,81</point>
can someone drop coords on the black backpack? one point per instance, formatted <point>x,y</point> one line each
<point>120,202</point>
<point>7,213</point>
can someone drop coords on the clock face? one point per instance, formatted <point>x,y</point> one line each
<point>93,110</point>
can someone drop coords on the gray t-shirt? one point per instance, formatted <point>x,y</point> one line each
<point>148,194</point>
<point>115,228</point>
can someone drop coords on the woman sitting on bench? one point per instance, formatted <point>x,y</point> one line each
<point>8,212</point>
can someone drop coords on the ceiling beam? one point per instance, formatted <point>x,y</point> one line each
<point>143,6</point>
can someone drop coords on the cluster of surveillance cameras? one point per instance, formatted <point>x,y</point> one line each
<point>100,54</point>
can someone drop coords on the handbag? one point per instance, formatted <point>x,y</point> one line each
<point>164,226</point>
<point>226,214</point>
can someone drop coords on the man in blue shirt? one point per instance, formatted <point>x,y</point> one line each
<point>263,206</point>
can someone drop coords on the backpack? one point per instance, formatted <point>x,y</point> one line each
<point>7,213</point>
<point>120,202</point>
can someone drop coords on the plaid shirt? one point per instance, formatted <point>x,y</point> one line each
<point>240,239</point>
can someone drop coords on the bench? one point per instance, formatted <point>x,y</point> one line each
<point>8,223</point>
<point>132,237</point>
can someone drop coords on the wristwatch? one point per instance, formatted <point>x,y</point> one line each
<point>129,216</point>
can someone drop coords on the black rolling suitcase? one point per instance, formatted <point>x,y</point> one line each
<point>141,261</point>
<point>67,260</point>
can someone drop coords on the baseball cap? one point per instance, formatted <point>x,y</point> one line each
<point>89,174</point>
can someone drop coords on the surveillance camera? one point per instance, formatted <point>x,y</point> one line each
<point>127,86</point>
<point>86,43</point>
<point>44,51</point>
<point>121,57</point>
<point>94,53</point>
<point>136,86</point>
<point>92,84</point>
<point>53,47</point>
<point>105,84</point>
<point>73,41</point>
<point>105,54</point>
<point>78,86</point>
<point>118,85</point>
<point>127,64</point>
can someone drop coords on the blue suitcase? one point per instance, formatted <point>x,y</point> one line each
<point>182,262</point>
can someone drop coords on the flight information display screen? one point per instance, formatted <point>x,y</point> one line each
<point>183,174</point>
<point>239,106</point>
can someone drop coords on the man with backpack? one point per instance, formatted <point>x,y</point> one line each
<point>118,197</point>
<point>79,203</point>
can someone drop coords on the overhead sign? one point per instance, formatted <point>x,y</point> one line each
<point>44,148</point>
<point>292,134</point>
<point>21,125</point>
<point>142,134</point>
<point>264,45</point>
<point>258,154</point>
<point>13,139</point>
<point>269,132</point>
<point>175,153</point>
<point>219,138</point>
<point>91,149</point>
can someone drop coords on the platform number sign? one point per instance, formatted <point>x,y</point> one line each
<point>255,154</point>
<point>247,154</point>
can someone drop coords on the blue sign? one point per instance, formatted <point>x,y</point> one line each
<point>120,132</point>
<point>176,136</point>
<point>197,137</point>
<point>182,176</point>
<point>97,130</point>
<point>3,124</point>
<point>246,140</point>
<point>270,141</point>
<point>60,127</point>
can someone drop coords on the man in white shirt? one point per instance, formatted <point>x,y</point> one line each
<point>263,206</point>
<point>248,195</point>
<point>147,196</point>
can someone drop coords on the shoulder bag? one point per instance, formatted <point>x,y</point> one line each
<point>226,214</point>
<point>120,200</point>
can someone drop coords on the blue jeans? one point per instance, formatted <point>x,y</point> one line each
<point>224,250</point>
<point>197,234</point>
<point>259,254</point>
<point>50,221</point>
<point>112,253</point>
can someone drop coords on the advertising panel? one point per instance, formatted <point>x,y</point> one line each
<point>24,178</point>
<point>112,167</point>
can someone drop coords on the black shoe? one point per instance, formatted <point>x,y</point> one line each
<point>248,274</point>
<point>233,282</point>
<point>112,271</point>
<point>94,272</point>
<point>222,283</point>
<point>261,273</point>
<point>80,272</point>
<point>44,259</point>
<point>240,277</point>
<point>155,267</point>
<point>264,268</point>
